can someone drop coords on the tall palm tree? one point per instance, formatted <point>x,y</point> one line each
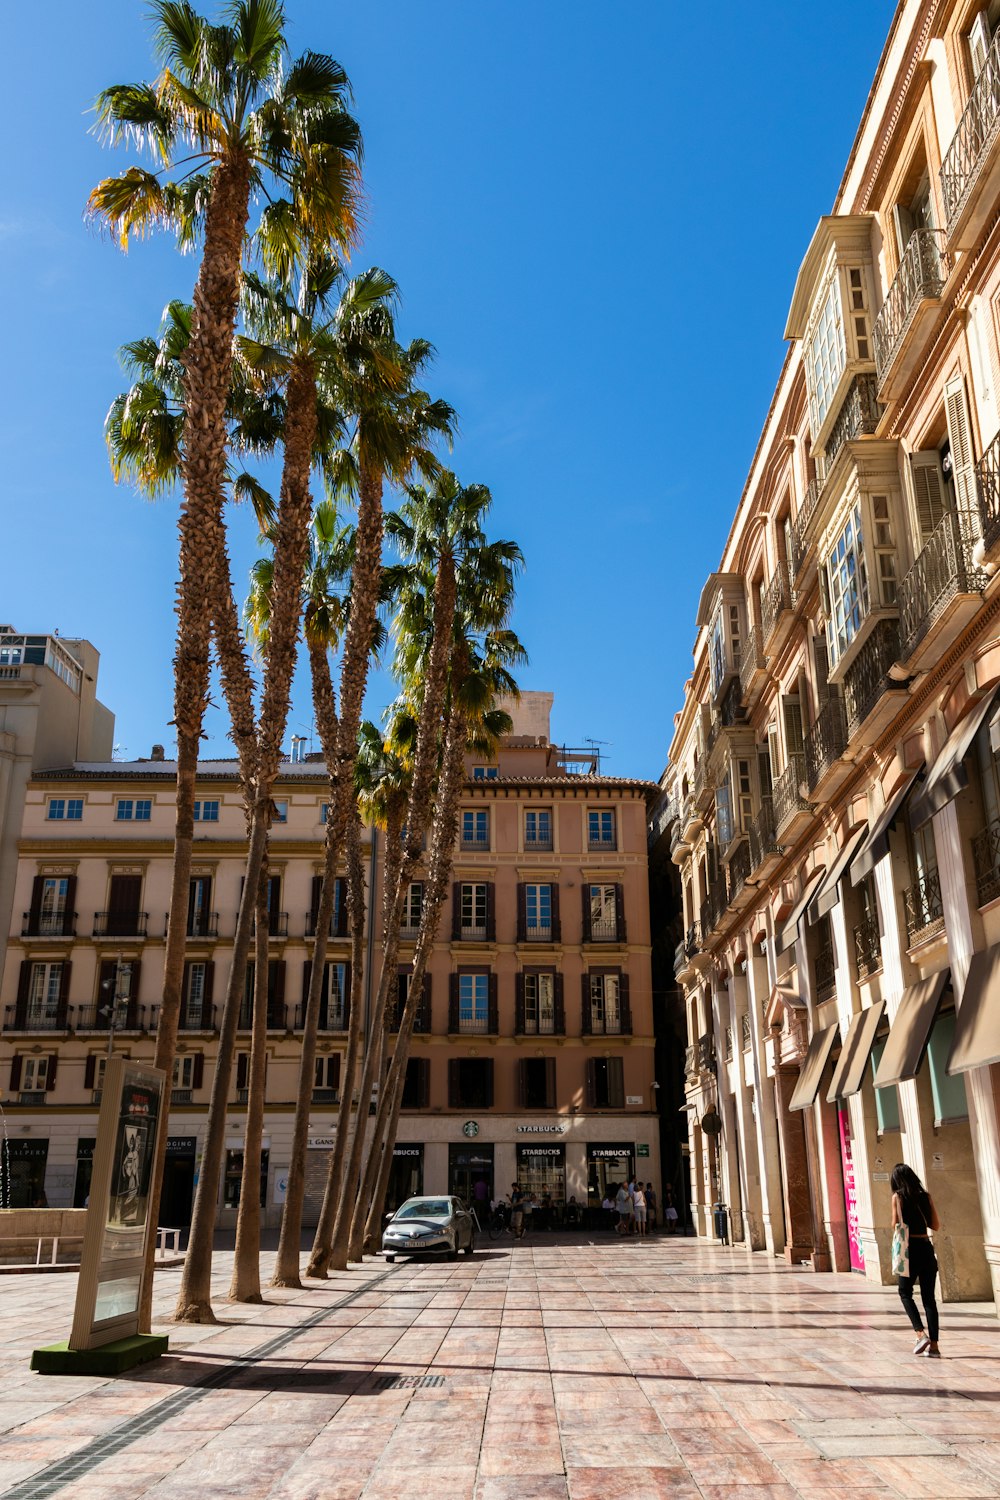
<point>227,110</point>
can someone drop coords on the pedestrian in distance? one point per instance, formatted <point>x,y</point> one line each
<point>516,1210</point>
<point>608,1207</point>
<point>669,1211</point>
<point>623,1208</point>
<point>912,1206</point>
<point>651,1206</point>
<point>639,1209</point>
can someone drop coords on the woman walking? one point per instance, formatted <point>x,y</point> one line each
<point>912,1206</point>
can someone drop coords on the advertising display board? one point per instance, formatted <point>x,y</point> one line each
<point>117,1225</point>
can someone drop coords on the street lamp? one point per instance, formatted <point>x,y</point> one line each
<point>114,995</point>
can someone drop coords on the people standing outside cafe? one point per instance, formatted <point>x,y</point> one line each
<point>650,1207</point>
<point>623,1208</point>
<point>912,1206</point>
<point>669,1211</point>
<point>516,1210</point>
<point>639,1209</point>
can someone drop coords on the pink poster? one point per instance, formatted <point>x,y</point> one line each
<point>850,1195</point>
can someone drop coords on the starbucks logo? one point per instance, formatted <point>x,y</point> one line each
<point>470,1128</point>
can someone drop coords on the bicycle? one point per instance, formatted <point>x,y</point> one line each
<point>502,1219</point>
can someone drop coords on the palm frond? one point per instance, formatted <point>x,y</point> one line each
<point>178,34</point>
<point>132,204</point>
<point>134,112</point>
<point>316,80</point>
<point>259,27</point>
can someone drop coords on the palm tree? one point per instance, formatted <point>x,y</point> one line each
<point>224,97</point>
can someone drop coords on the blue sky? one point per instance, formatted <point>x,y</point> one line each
<point>595,212</point>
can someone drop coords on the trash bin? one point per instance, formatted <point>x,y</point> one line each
<point>720,1214</point>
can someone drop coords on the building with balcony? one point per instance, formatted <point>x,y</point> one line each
<point>533,1056</point>
<point>834,776</point>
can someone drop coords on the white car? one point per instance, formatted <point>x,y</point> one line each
<point>430,1226</point>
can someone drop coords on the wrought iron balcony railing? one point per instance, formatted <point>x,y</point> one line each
<point>865,678</point>
<point>825,970</point>
<point>739,869</point>
<point>706,1052</point>
<point>693,939</point>
<point>921,274</point>
<point>43,924</point>
<point>867,947</point>
<point>751,661</point>
<point>800,526</point>
<point>988,490</point>
<point>977,131</point>
<point>986,857</point>
<point>858,416</point>
<point>777,598</point>
<point>120,923</point>
<point>197,1018</point>
<point>731,710</point>
<point>762,836</point>
<point>677,831</point>
<point>128,1016</point>
<point>785,794</point>
<point>826,740</point>
<point>944,568</point>
<point>28,1019</point>
<point>923,905</point>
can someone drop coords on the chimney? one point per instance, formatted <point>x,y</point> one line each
<point>157,753</point>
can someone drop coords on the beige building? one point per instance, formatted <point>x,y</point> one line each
<point>533,1057</point>
<point>834,782</point>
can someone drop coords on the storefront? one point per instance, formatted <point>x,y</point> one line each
<point>466,1165</point>
<point>22,1173</point>
<point>84,1170</point>
<point>178,1181</point>
<point>608,1164</point>
<point>406,1175</point>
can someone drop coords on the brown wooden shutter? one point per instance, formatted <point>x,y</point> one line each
<point>347,995</point>
<point>453,1002</point>
<point>50,1076</point>
<point>306,977</point>
<point>132,1013</point>
<point>198,1071</point>
<point>425,1005</point>
<point>550,1083</point>
<point>489,1083</point>
<point>23,990</point>
<point>519,1004</point>
<point>274,900</point>
<point>585,1012</point>
<point>340,907</point>
<point>277,997</point>
<point>591,1082</point>
<point>624,1006</point>
<point>585,892</point>
<point>492,1007</point>
<point>69,914</point>
<point>242,1070</point>
<point>35,911</point>
<point>185,992</point>
<point>454,1085</point>
<point>424,1083</point>
<point>456,911</point>
<point>522,912</point>
<point>928,492</point>
<point>963,459</point>
<point>209,988</point>
<point>491,912</point>
<point>16,1063</point>
<point>334,1074</point>
<point>620,930</point>
<point>62,1008</point>
<point>558,1006</point>
<point>522,1082</point>
<point>106,976</point>
<point>554,904</point>
<point>317,887</point>
<point>90,1070</point>
<point>616,1083</point>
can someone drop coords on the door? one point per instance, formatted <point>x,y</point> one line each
<point>123,905</point>
<point>178,1191</point>
<point>406,1177</point>
<point>466,1166</point>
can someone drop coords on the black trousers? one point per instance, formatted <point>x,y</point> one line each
<point>923,1272</point>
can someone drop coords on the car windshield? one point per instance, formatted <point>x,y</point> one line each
<point>425,1208</point>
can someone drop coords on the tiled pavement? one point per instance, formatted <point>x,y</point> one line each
<point>553,1370</point>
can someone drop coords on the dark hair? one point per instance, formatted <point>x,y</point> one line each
<point>906,1183</point>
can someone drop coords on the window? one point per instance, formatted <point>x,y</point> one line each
<point>470,1083</point>
<point>68,809</point>
<point>327,1077</point>
<point>540,1004</point>
<point>474,1002</point>
<point>601,830</point>
<point>44,991</point>
<point>280,814</point>
<point>848,586</point>
<point>825,355</point>
<point>859,312</point>
<point>885,551</point>
<point>413,906</point>
<point>723,815</point>
<point>336,996</point>
<point>475,829</point>
<point>605,1008</point>
<point>717,651</point>
<point>183,1074</point>
<point>199,923</point>
<point>605,1083</point>
<point>416,1084</point>
<point>537,1083</point>
<point>603,924</point>
<point>485,773</point>
<point>324,811</point>
<point>10,656</point>
<point>744,796</point>
<point>233,1180</point>
<point>538,912</point>
<point>206,812</point>
<point>538,829</point>
<point>52,912</point>
<point>35,1075</point>
<point>474,909</point>
<point>138,810</point>
<point>195,996</point>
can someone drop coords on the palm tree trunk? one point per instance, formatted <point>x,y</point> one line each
<point>207,368</point>
<point>245,1286</point>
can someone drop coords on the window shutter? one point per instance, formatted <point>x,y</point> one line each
<point>585,893</point>
<point>554,901</point>
<point>522,1082</point>
<point>489,1082</point>
<point>491,913</point>
<point>423,1082</point>
<point>334,1073</point>
<point>963,460</point>
<point>454,1084</point>
<point>69,915</point>
<point>550,1083</point>
<point>315,890</point>
<point>306,978</point>
<point>209,984</point>
<point>185,992</point>
<point>559,1006</point>
<point>620,913</point>
<point>424,1004</point>
<point>50,1075</point>
<point>34,914</point>
<point>242,1069</point>
<point>585,1018</point>
<point>15,1072</point>
<point>274,898</point>
<point>61,1011</point>
<point>278,1000</point>
<point>979,42</point>
<point>347,995</point>
<point>90,1070</point>
<point>522,911</point>
<point>928,492</point>
<point>456,911</point>
<point>616,1083</point>
<point>624,1006</point>
<point>791,711</point>
<point>493,1007</point>
<point>453,1002</point>
<point>591,1082</point>
<point>198,1071</point>
<point>341,906</point>
<point>133,984</point>
<point>23,988</point>
<point>519,1004</point>
<point>106,976</point>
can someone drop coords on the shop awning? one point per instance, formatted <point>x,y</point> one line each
<point>977,1019</point>
<point>948,776</point>
<point>787,934</point>
<point>876,845</point>
<point>907,1041</point>
<point>828,894</point>
<point>849,1073</point>
<point>812,1069</point>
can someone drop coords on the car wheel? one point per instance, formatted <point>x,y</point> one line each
<point>470,1247</point>
<point>453,1252</point>
<point>390,1259</point>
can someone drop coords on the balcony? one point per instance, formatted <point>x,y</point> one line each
<point>679,846</point>
<point>777,601</point>
<point>870,696</point>
<point>421,1021</point>
<point>924,908</point>
<point>472,932</point>
<point>475,839</point>
<point>129,1017</point>
<point>752,663</point>
<point>858,417</point>
<point>971,164</point>
<point>908,311</point>
<point>986,857</point>
<point>786,797</point>
<point>941,592</point>
<point>197,1018</point>
<point>705,1053</point>
<point>277,925</point>
<point>714,906</point>
<point>739,871</point>
<point>56,924</point>
<point>825,971</point>
<point>702,791</point>
<point>23,1018</point>
<point>988,489</point>
<point>606,1020</point>
<point>120,924</point>
<point>539,843</point>
<point>331,1018</point>
<point>338,924</point>
<point>602,930</point>
<point>867,947</point>
<point>825,743</point>
<point>762,841</point>
<point>203,924</point>
<point>277,1017</point>
<point>800,529</point>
